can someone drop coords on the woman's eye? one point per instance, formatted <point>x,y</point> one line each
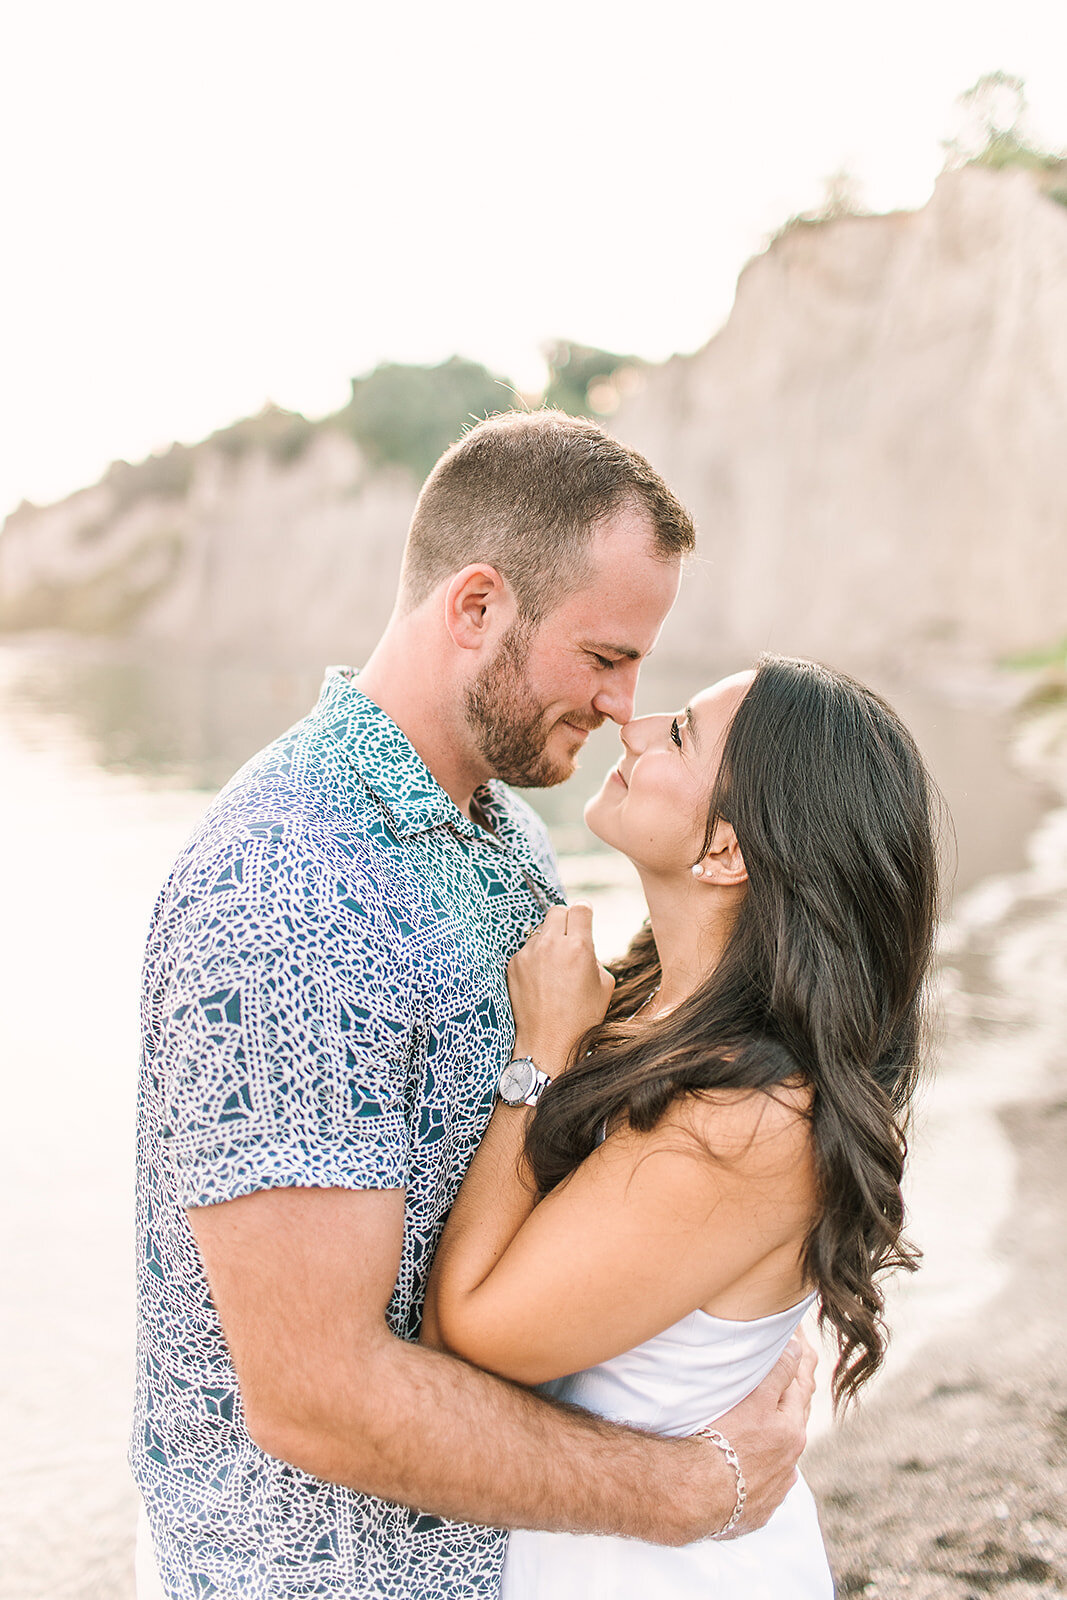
<point>676,732</point>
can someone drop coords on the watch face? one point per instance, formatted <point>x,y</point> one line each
<point>516,1081</point>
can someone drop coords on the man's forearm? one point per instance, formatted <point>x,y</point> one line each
<point>427,1431</point>
<point>301,1279</point>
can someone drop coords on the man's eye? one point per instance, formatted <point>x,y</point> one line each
<point>603,661</point>
<point>676,732</point>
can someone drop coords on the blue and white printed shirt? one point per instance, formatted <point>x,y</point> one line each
<point>324,1004</point>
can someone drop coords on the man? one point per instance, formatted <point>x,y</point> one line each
<point>325,1024</point>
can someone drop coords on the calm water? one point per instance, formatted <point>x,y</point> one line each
<point>192,725</point>
<point>106,762</point>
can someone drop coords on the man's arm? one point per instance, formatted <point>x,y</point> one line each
<point>301,1279</point>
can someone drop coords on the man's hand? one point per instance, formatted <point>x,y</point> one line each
<point>769,1430</point>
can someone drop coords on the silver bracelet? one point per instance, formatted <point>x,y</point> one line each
<point>742,1488</point>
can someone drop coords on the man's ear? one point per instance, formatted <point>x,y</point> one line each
<point>722,861</point>
<point>479,606</point>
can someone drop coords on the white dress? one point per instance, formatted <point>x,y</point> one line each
<point>680,1381</point>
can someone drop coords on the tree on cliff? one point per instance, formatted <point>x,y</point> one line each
<point>586,381</point>
<point>406,415</point>
<point>993,130</point>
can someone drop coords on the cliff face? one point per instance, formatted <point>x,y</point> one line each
<point>257,558</point>
<point>875,445</point>
<point>875,448</point>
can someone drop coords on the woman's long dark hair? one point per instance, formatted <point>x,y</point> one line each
<point>821,980</point>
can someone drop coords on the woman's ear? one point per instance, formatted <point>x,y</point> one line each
<point>722,862</point>
<point>478,606</point>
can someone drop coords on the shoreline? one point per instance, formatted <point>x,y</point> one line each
<point>950,1482</point>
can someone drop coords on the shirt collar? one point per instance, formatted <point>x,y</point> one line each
<point>387,762</point>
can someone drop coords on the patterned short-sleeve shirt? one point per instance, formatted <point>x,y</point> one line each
<point>324,1004</point>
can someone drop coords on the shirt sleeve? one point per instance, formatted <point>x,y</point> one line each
<point>285,1019</point>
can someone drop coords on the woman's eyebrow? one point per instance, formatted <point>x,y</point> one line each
<point>692,727</point>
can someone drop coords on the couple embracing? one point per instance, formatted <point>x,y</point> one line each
<point>445,1230</point>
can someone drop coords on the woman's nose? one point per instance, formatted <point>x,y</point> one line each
<point>634,734</point>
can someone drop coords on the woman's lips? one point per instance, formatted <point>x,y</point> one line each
<point>616,772</point>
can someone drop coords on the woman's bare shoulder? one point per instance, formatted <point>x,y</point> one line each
<point>747,1132</point>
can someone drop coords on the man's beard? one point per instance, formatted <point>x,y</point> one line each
<point>509,722</point>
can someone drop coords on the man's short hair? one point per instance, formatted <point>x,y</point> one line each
<point>525,491</point>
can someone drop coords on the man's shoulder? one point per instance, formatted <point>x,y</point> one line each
<point>291,832</point>
<point>300,791</point>
<point>303,771</point>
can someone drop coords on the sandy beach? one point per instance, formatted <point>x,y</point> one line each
<point>952,1480</point>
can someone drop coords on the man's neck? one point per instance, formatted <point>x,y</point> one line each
<point>407,680</point>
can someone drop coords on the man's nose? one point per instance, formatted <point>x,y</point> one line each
<point>615,699</point>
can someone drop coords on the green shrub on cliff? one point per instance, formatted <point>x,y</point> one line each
<point>166,476</point>
<point>284,435</point>
<point>586,381</point>
<point>993,131</point>
<point>407,415</point>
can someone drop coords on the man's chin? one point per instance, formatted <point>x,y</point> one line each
<point>545,775</point>
<point>535,759</point>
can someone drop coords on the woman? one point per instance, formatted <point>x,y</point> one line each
<point>719,1142</point>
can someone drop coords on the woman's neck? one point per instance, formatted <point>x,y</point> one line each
<point>691,924</point>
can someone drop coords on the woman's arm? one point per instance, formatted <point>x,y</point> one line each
<point>495,1199</point>
<point>558,990</point>
<point>649,1227</point>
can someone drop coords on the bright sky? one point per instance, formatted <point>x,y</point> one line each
<point>210,204</point>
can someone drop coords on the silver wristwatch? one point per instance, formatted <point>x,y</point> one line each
<point>522,1082</point>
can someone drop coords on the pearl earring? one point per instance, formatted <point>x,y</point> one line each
<point>697,871</point>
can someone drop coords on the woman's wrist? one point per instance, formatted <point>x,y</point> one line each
<point>551,1055</point>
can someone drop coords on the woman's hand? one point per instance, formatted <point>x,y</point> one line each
<point>558,988</point>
